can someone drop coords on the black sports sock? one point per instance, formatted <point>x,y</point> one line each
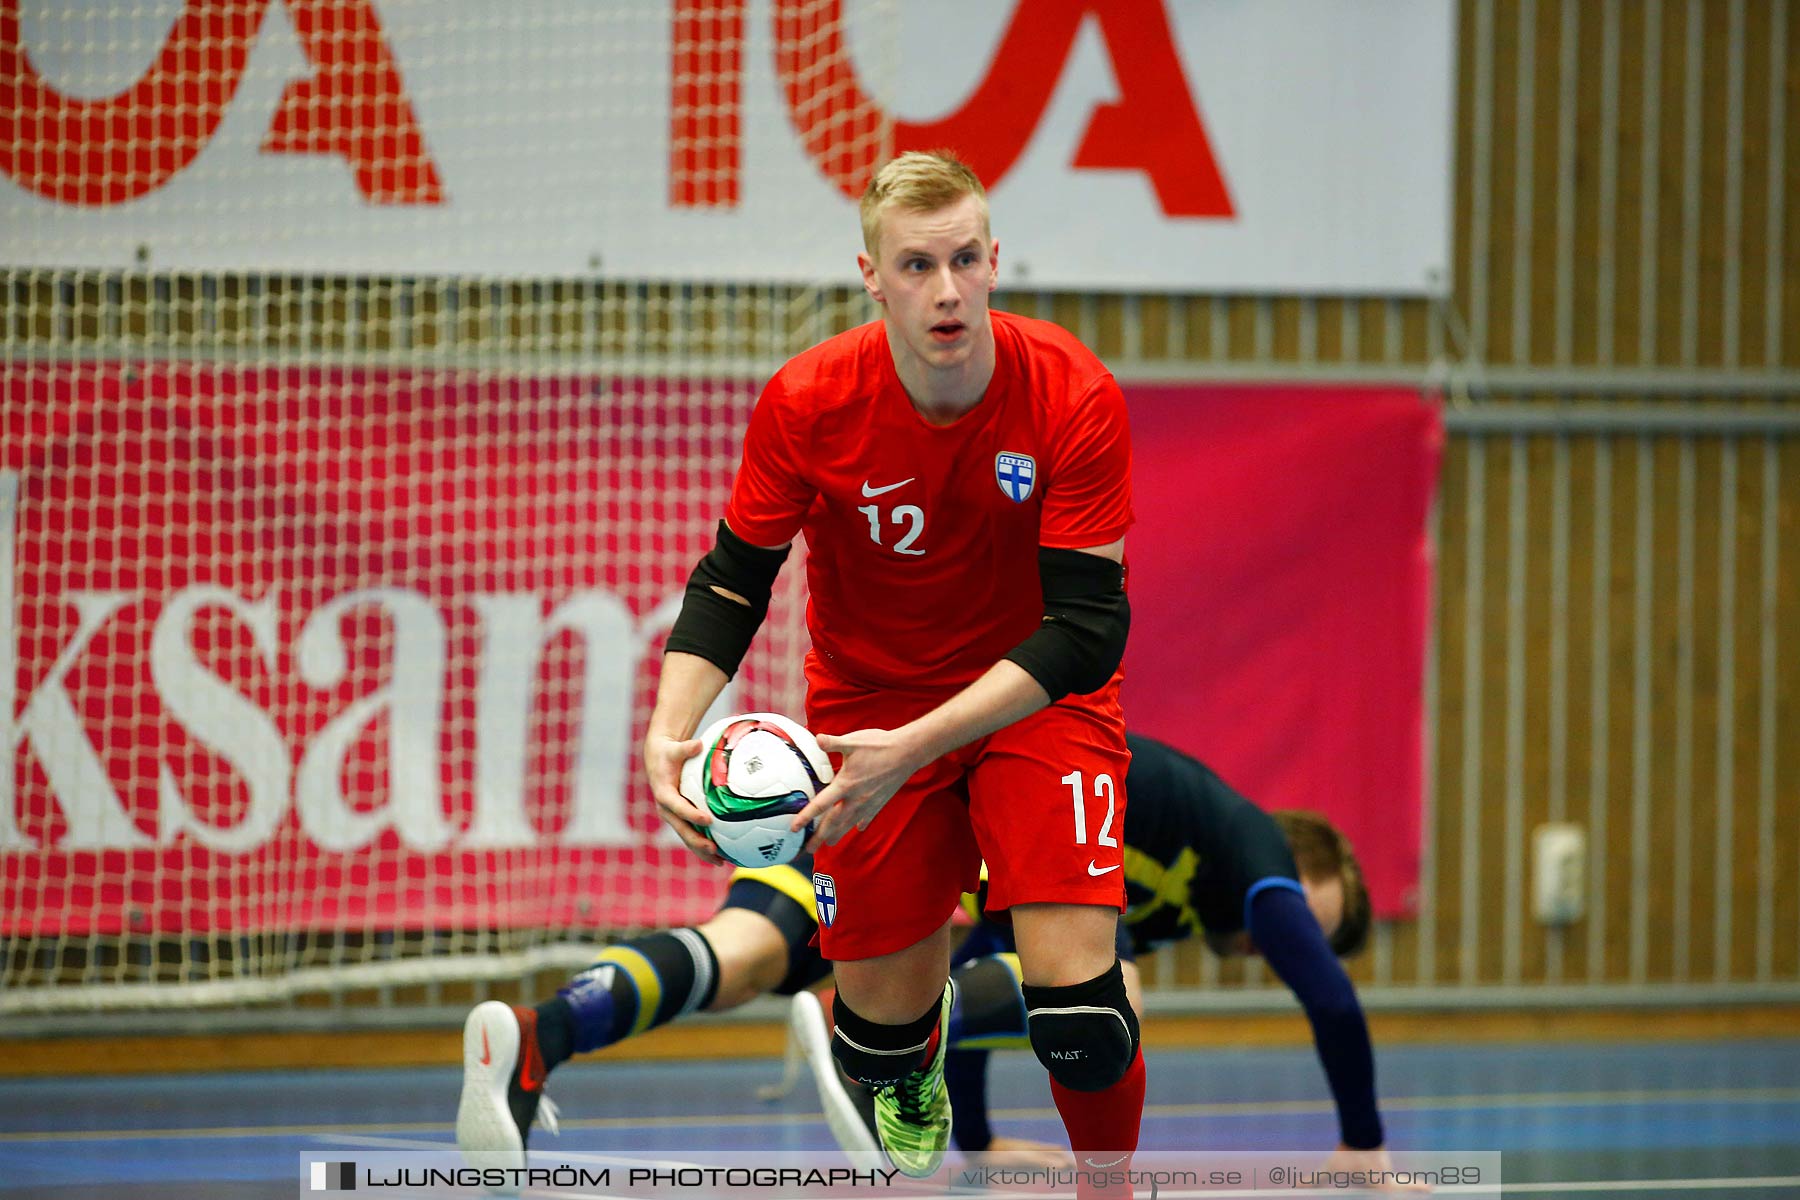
<point>556,1032</point>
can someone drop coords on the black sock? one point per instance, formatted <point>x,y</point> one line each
<point>556,1032</point>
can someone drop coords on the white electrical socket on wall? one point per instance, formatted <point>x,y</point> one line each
<point>1558,873</point>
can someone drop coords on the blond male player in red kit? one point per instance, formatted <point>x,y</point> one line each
<point>963,478</point>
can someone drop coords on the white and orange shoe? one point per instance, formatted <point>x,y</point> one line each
<point>503,1086</point>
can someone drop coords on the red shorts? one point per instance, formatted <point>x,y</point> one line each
<point>1042,801</point>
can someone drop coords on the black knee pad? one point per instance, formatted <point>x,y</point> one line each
<point>877,1054</point>
<point>1085,1034</point>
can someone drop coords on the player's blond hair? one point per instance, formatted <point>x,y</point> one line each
<point>1322,852</point>
<point>919,181</point>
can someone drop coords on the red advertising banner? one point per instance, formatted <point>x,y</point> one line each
<point>288,648</point>
<point>319,648</point>
<point>1280,583</point>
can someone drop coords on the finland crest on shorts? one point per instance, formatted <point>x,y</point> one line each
<point>1015,473</point>
<point>825,898</point>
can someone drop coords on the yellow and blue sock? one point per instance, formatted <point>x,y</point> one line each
<point>631,988</point>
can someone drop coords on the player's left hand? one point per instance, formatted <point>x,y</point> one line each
<point>1027,1154</point>
<point>877,763</point>
<point>1376,1160</point>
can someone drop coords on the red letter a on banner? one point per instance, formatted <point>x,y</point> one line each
<point>354,105</point>
<point>1153,128</point>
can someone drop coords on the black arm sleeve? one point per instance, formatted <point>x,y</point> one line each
<point>1086,617</point>
<point>716,627</point>
<point>1294,946</point>
<point>965,1075</point>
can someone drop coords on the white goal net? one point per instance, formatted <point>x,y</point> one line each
<point>374,372</point>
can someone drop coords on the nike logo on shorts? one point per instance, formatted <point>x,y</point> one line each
<point>881,491</point>
<point>1093,870</point>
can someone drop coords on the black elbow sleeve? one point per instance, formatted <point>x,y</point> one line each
<point>727,598</point>
<point>1086,619</point>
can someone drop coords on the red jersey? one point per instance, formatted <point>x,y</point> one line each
<point>922,539</point>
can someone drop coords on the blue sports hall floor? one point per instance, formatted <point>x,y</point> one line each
<point>1687,1119</point>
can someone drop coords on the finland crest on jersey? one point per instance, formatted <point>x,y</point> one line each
<point>1015,474</point>
<point>825,898</point>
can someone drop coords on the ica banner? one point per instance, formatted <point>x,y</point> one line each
<point>1220,145</point>
<point>308,647</point>
<point>1280,577</point>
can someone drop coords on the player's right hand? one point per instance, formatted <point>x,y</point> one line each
<point>663,757</point>
<point>1376,1162</point>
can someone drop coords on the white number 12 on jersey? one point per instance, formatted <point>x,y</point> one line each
<point>1102,783</point>
<point>909,515</point>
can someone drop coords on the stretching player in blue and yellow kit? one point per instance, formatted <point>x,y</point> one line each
<point>1200,860</point>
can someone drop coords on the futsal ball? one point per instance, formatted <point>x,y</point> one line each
<point>753,773</point>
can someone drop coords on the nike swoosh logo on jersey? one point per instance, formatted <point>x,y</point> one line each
<point>880,491</point>
<point>1093,870</point>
